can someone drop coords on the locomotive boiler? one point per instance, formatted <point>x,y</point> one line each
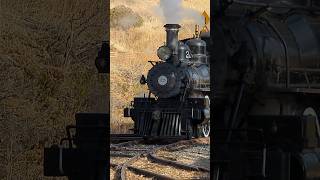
<point>178,103</point>
<point>265,73</point>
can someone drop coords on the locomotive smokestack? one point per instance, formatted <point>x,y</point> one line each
<point>172,37</point>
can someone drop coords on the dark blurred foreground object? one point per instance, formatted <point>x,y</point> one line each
<point>102,61</point>
<point>266,90</point>
<point>85,157</point>
<point>220,6</point>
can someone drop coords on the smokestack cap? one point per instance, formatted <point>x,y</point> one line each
<point>172,26</point>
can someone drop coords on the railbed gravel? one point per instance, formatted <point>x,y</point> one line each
<point>170,171</point>
<point>197,153</point>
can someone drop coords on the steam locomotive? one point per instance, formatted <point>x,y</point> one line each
<point>180,85</point>
<point>265,72</point>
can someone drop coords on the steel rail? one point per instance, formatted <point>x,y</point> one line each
<point>121,173</point>
<point>180,165</point>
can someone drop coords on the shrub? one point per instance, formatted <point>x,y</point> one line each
<point>124,18</point>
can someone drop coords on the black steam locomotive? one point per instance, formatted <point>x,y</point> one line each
<point>180,84</point>
<point>265,75</point>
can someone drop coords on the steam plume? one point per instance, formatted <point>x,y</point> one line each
<point>174,12</point>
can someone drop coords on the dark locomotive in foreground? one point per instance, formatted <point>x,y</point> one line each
<point>83,154</point>
<point>265,72</point>
<point>180,84</point>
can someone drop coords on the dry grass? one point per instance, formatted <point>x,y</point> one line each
<point>112,174</point>
<point>47,74</point>
<point>132,175</point>
<point>132,48</point>
<point>119,160</point>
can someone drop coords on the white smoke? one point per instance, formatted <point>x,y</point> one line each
<point>127,21</point>
<point>174,12</point>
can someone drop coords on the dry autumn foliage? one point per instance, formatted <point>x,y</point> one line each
<point>47,74</point>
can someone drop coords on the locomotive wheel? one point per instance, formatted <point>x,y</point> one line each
<point>202,130</point>
<point>205,129</point>
<point>309,111</point>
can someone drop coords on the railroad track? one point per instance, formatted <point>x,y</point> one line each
<point>187,159</point>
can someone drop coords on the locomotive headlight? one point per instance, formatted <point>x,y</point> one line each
<point>164,53</point>
<point>162,80</point>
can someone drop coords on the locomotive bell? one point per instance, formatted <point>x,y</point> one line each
<point>196,31</point>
